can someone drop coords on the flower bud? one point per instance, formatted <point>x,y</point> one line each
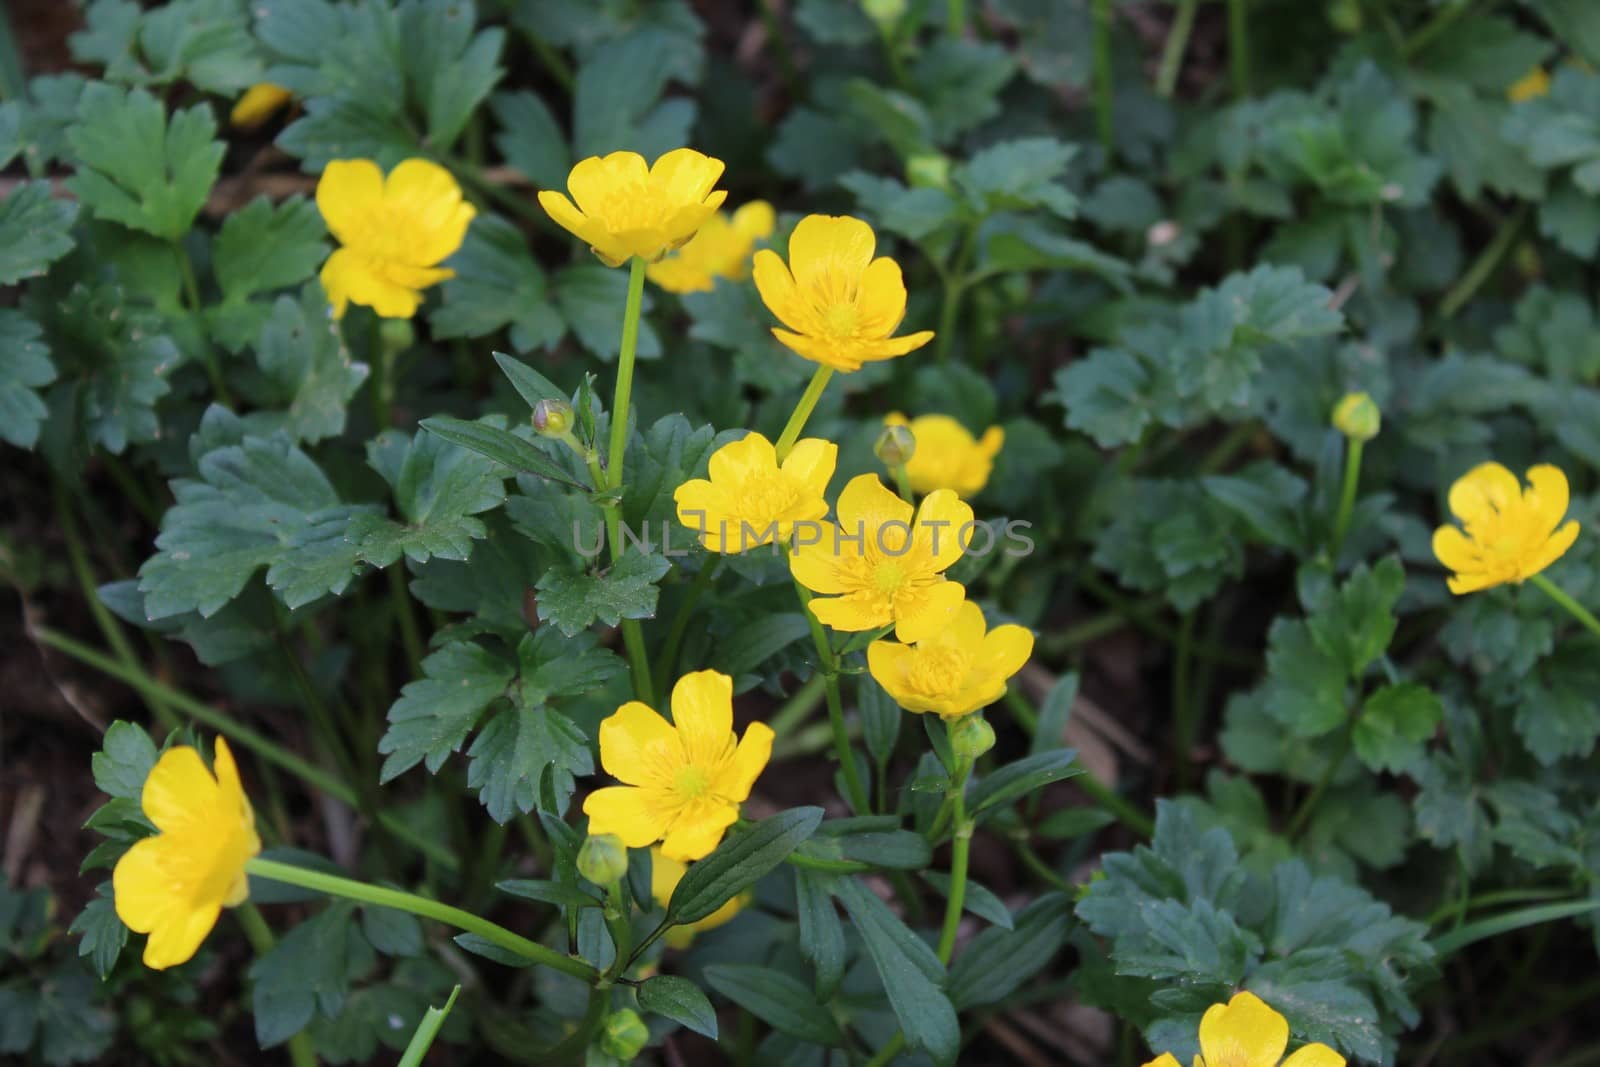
<point>971,736</point>
<point>1345,15</point>
<point>896,445</point>
<point>552,418</point>
<point>396,335</point>
<point>625,1034</point>
<point>1357,417</point>
<point>603,859</point>
<point>885,13</point>
<point>931,170</point>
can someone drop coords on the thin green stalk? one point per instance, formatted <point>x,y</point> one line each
<point>1176,45</point>
<point>1495,925</point>
<point>301,1051</point>
<point>208,354</point>
<point>856,792</point>
<point>620,927</point>
<point>1035,863</point>
<point>1487,263</point>
<point>552,60</point>
<point>667,662</point>
<point>405,617</point>
<point>1084,632</point>
<point>625,361</point>
<point>399,900</point>
<point>263,747</point>
<point>955,18</point>
<point>959,852</point>
<point>632,633</point>
<point>780,45</point>
<point>1575,609</point>
<point>1107,799</point>
<point>888,1052</point>
<point>1137,613</point>
<point>1183,707</point>
<point>955,280</point>
<point>1235,439</point>
<point>1103,87</point>
<point>802,411</point>
<point>1488,900</point>
<point>1347,496</point>
<point>1302,815</point>
<point>13,81</point>
<point>792,712</point>
<point>1442,20</point>
<point>132,491</point>
<point>902,484</point>
<point>1239,45</point>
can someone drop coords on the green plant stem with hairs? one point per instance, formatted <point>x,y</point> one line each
<point>802,411</point>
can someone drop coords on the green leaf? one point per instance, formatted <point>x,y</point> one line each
<point>1024,246</point>
<point>738,863</point>
<point>497,284</point>
<point>204,42</point>
<point>960,82</point>
<point>309,971</point>
<point>426,1031</point>
<point>307,369</point>
<point>750,646</point>
<point>881,718</point>
<point>780,1001</point>
<point>1105,396</point>
<point>35,231</point>
<point>530,139</point>
<point>1394,722</point>
<point>978,900</point>
<point>102,933</point>
<point>681,1001</point>
<point>529,383</point>
<point>560,894</point>
<point>527,758</point>
<point>626,590</point>
<point>614,100</point>
<point>821,932</point>
<point>591,299</point>
<point>255,504</point>
<point>434,714</point>
<point>912,975</point>
<point>1305,688</point>
<point>262,247</point>
<point>1556,715</point>
<point>488,437</point>
<point>393,933</point>
<point>1355,624</point>
<point>138,168</point>
<point>24,368</point>
<point>997,962</point>
<point>124,761</point>
<point>1016,780</point>
<point>1267,499</point>
<point>1050,731</point>
<point>438,488</point>
<point>1019,174</point>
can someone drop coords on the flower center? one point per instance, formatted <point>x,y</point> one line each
<point>691,783</point>
<point>768,495</point>
<point>888,577</point>
<point>938,670</point>
<point>841,320</point>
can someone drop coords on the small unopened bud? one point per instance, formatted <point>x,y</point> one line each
<point>1345,15</point>
<point>396,335</point>
<point>896,445</point>
<point>1357,417</point>
<point>552,418</point>
<point>625,1035</point>
<point>885,13</point>
<point>971,736</point>
<point>931,171</point>
<point>603,859</point>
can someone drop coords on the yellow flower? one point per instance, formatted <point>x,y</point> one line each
<point>1245,1032</point>
<point>1511,533</point>
<point>1535,83</point>
<point>627,209</point>
<point>258,104</point>
<point>665,874</point>
<point>394,232</point>
<point>882,563</point>
<point>684,780</point>
<point>960,669</point>
<point>174,885</point>
<point>720,250</point>
<point>750,499</point>
<point>946,456</point>
<point>841,304</point>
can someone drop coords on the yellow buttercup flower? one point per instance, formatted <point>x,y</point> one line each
<point>947,456</point>
<point>1534,84</point>
<point>883,562</point>
<point>1511,533</point>
<point>174,885</point>
<point>394,232</point>
<point>1245,1032</point>
<point>840,304</point>
<point>683,780</point>
<point>720,250</point>
<point>258,104</point>
<point>626,209</point>
<point>958,670</point>
<point>751,500</point>
<point>665,874</point>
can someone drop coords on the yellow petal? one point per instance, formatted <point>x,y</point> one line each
<point>927,612</point>
<point>886,661</point>
<point>349,278</point>
<point>1472,582</point>
<point>141,887</point>
<point>702,711</point>
<point>994,439</point>
<point>702,507</point>
<point>755,220</point>
<point>1552,550</point>
<point>684,176</point>
<point>1314,1056</point>
<point>1486,487</point>
<point>882,302</point>
<point>737,460</point>
<point>698,830</point>
<point>426,196</point>
<point>811,461</point>
<point>777,289</point>
<point>1245,1032</point>
<point>680,275</point>
<point>866,506</point>
<point>180,795</point>
<point>638,746</point>
<point>874,351</point>
<point>1005,649</point>
<point>178,936</point>
<point>258,104</point>
<point>749,759</point>
<point>853,613</point>
<point>943,521</point>
<point>1455,550</point>
<point>967,626</point>
<point>819,565</point>
<point>563,212</point>
<point>1547,495</point>
<point>829,244</point>
<point>842,357</point>
<point>599,181</point>
<point>1166,1059</point>
<point>638,816</point>
<point>348,193</point>
<point>665,874</point>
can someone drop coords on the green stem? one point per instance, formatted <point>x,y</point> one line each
<point>802,411</point>
<point>620,927</point>
<point>410,634</point>
<point>1487,263</point>
<point>13,81</point>
<point>625,360</point>
<point>552,60</point>
<point>1441,21</point>
<point>301,1051</point>
<point>798,707</point>
<point>902,484</point>
<point>263,747</point>
<point>1347,496</point>
<point>1487,900</point>
<point>1183,731</point>
<point>131,489</point>
<point>1239,45</point>
<point>1103,88</point>
<point>1302,816</point>
<point>208,354</point>
<point>680,624</point>
<point>780,45</point>
<point>1575,609</point>
<point>632,633</point>
<point>959,852</point>
<point>856,792</point>
<point>1035,863</point>
<point>887,1053</point>
<point>399,900</point>
<point>1176,45</point>
<point>955,18</point>
<point>1107,799</point>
